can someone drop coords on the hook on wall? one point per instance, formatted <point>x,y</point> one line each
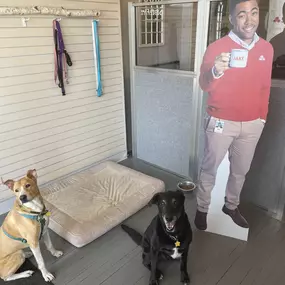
<point>24,21</point>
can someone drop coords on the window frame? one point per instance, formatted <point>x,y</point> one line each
<point>143,14</point>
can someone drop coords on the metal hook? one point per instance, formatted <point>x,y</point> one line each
<point>24,21</point>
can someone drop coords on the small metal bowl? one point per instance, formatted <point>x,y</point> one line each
<point>186,186</point>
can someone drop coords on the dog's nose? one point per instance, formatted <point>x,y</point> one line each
<point>23,197</point>
<point>168,219</point>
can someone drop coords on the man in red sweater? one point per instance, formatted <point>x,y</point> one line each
<point>237,107</point>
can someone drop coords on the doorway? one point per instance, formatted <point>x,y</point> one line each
<point>167,44</point>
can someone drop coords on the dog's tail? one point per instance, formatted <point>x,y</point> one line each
<point>135,236</point>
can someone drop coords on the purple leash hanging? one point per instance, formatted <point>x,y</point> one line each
<point>61,57</point>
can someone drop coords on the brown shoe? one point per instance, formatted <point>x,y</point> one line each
<point>201,220</point>
<point>236,217</point>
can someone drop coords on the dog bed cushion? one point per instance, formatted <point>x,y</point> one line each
<point>87,204</point>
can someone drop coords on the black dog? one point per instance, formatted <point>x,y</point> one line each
<point>168,236</point>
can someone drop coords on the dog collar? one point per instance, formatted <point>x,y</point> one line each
<point>35,217</point>
<point>44,212</point>
<point>177,242</point>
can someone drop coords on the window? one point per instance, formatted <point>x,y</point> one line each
<point>151,29</point>
<point>166,35</point>
<point>219,24</point>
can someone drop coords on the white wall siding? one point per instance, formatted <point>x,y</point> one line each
<point>40,128</point>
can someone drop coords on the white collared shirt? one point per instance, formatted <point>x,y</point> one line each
<point>239,41</point>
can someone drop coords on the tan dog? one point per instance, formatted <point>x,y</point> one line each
<point>23,227</point>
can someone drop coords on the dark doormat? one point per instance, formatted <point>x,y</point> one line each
<point>35,279</point>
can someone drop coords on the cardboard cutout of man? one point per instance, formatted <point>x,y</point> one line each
<point>236,73</point>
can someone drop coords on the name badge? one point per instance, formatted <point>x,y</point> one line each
<point>219,126</point>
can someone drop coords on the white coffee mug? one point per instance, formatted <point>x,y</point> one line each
<point>238,58</point>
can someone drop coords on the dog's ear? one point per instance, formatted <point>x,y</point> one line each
<point>32,174</point>
<point>9,183</point>
<point>154,199</point>
<point>181,193</point>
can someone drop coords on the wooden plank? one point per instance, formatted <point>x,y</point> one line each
<point>5,194</point>
<point>105,15</point>
<point>99,256</point>
<point>118,273</point>
<point>42,98</point>
<point>56,134</point>
<point>25,79</point>
<point>50,124</point>
<point>66,132</point>
<point>247,261</point>
<point>25,70</point>
<point>40,61</point>
<point>66,4</point>
<point>105,54</point>
<point>44,136</point>
<point>46,22</point>
<point>62,150</point>
<point>46,114</point>
<point>64,159</point>
<point>74,71</point>
<point>107,153</point>
<point>56,150</point>
<point>89,1</point>
<point>57,104</point>
<point>58,242</point>
<point>47,32</point>
<point>36,69</point>
<point>49,49</point>
<point>68,40</point>
<point>55,91</point>
<point>49,59</point>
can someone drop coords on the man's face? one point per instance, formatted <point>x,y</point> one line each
<point>245,20</point>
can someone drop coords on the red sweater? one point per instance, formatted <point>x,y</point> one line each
<point>241,94</point>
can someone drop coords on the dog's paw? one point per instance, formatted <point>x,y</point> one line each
<point>155,282</point>
<point>48,276</point>
<point>185,280</point>
<point>159,275</point>
<point>57,253</point>
<point>28,273</point>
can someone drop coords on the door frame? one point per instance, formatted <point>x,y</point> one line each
<point>197,101</point>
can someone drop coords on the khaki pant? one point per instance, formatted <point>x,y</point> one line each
<point>240,139</point>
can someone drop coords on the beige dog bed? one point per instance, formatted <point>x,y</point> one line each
<point>86,205</point>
